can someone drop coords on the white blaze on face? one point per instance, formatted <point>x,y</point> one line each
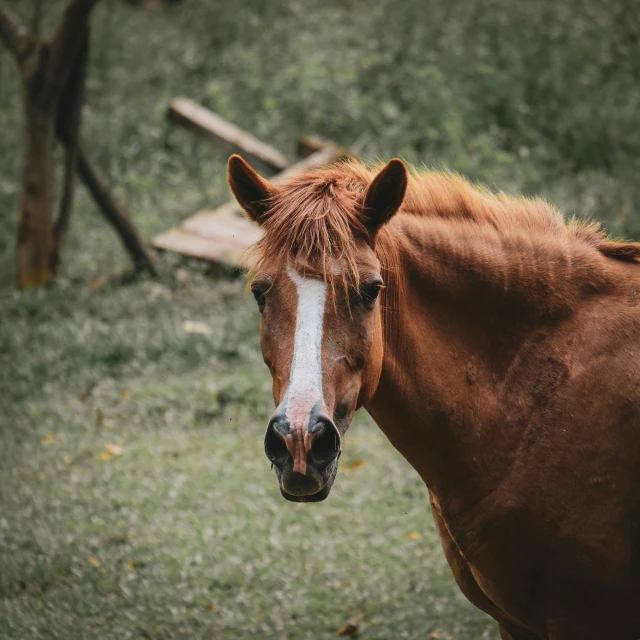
<point>305,380</point>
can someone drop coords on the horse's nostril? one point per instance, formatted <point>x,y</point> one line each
<point>325,447</point>
<point>275,446</point>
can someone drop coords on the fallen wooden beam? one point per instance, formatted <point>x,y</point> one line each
<point>308,145</point>
<point>224,234</point>
<point>205,122</point>
<point>224,238</point>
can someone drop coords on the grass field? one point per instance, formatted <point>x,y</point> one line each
<point>182,533</point>
<point>135,499</point>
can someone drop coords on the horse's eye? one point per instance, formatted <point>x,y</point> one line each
<point>368,293</point>
<point>259,295</point>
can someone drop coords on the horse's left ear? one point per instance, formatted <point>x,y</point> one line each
<point>252,192</point>
<point>384,195</point>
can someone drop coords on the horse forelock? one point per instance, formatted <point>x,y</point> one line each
<point>314,221</point>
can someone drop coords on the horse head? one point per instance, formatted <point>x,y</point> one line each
<point>317,284</point>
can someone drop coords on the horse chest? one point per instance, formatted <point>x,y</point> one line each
<point>488,573</point>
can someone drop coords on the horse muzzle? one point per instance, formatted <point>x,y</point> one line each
<point>305,457</point>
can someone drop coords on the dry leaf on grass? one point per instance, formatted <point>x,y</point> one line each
<point>349,630</point>
<point>211,607</point>
<point>68,460</point>
<point>354,466</point>
<point>111,450</point>
<point>48,438</point>
<point>414,535</point>
<point>94,561</point>
<point>193,326</point>
<point>125,394</point>
<point>434,634</point>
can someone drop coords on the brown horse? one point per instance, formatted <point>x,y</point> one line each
<point>496,346</point>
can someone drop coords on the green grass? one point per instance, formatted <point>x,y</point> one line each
<point>184,534</point>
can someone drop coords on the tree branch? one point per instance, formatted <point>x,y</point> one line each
<point>68,41</point>
<point>113,212</point>
<point>15,36</point>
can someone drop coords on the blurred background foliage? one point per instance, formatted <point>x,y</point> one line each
<point>190,536</point>
<point>540,97</point>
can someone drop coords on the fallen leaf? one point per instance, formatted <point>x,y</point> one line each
<point>193,326</point>
<point>130,565</point>
<point>49,438</point>
<point>99,417</point>
<point>434,634</point>
<point>211,607</point>
<point>43,475</point>
<point>125,394</point>
<point>349,630</point>
<point>157,290</point>
<point>114,449</point>
<point>83,396</point>
<point>354,466</point>
<point>105,455</point>
<point>68,460</point>
<point>94,561</point>
<point>182,275</point>
<point>414,535</point>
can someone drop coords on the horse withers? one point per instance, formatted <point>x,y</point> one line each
<point>496,346</point>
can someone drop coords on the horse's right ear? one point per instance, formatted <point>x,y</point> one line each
<point>252,192</point>
<point>384,195</point>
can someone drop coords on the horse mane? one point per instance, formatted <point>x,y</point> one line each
<point>315,218</point>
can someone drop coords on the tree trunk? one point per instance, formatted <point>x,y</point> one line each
<point>35,227</point>
<point>53,76</point>
<point>45,69</point>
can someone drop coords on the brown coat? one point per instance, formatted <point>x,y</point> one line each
<point>502,360</point>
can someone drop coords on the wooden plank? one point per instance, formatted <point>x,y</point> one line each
<point>211,249</point>
<point>224,234</point>
<point>203,121</point>
<point>308,145</point>
<point>225,223</point>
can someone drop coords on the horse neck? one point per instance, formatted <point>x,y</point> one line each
<point>468,299</point>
